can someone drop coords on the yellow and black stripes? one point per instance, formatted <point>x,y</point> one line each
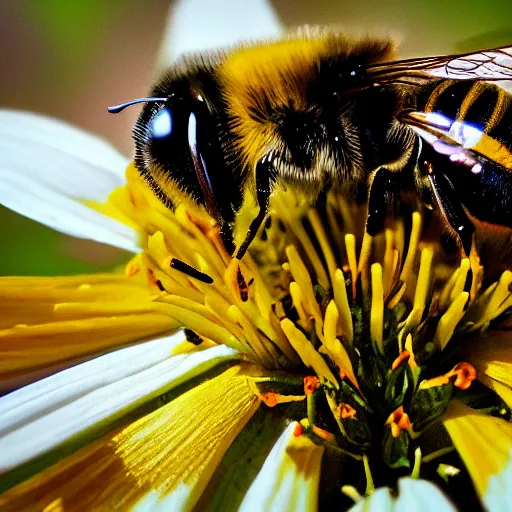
<point>485,111</point>
<point>476,103</point>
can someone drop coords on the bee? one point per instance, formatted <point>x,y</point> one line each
<point>321,111</point>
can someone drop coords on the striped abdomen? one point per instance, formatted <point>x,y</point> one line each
<point>487,194</point>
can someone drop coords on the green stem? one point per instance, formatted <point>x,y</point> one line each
<point>417,463</point>
<point>370,487</point>
<point>311,407</point>
<point>438,453</point>
<point>292,381</point>
<point>335,448</point>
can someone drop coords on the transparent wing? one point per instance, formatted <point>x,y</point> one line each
<point>494,64</point>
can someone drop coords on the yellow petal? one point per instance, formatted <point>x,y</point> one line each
<point>166,457</point>
<point>484,444</point>
<point>50,323</point>
<point>78,403</point>
<point>289,479</point>
<point>492,357</point>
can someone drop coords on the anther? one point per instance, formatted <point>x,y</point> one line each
<point>398,420</point>
<point>466,374</point>
<point>347,411</point>
<point>311,383</point>
<point>403,357</point>
<point>298,430</point>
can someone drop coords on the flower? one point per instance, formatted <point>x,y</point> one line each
<point>324,364</point>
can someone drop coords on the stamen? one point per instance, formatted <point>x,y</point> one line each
<point>325,245</point>
<point>311,383</point>
<point>440,380</point>
<point>389,261</point>
<point>286,209</point>
<point>307,353</point>
<point>466,374</point>
<point>377,308</point>
<point>350,245</point>
<point>347,411</point>
<point>413,246</point>
<point>341,300</point>
<point>298,430</point>
<point>333,346</point>
<point>403,357</point>
<point>364,258</point>
<point>351,492</point>
<point>449,321</point>
<point>271,398</point>
<point>398,420</point>
<point>412,362</point>
<point>422,287</point>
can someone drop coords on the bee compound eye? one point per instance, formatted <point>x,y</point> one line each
<point>161,125</point>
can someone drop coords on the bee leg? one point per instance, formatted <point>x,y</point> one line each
<point>265,179</point>
<point>381,192</point>
<point>452,209</point>
<point>186,269</point>
<point>226,235</point>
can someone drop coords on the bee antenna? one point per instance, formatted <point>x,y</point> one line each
<point>119,108</point>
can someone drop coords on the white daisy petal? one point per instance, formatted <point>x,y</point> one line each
<point>59,155</point>
<point>44,205</point>
<point>289,478</point>
<point>499,490</point>
<point>198,25</point>
<point>40,398</point>
<point>47,167</point>
<point>47,413</point>
<point>413,495</point>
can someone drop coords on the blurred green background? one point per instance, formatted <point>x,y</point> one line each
<point>72,59</point>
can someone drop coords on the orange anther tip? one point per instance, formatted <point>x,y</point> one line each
<point>466,374</point>
<point>310,384</point>
<point>298,430</point>
<point>403,357</point>
<point>269,399</point>
<point>347,411</point>
<point>398,420</point>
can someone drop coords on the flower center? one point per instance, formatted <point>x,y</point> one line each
<point>362,338</point>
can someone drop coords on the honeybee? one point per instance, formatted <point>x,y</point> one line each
<point>322,111</point>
